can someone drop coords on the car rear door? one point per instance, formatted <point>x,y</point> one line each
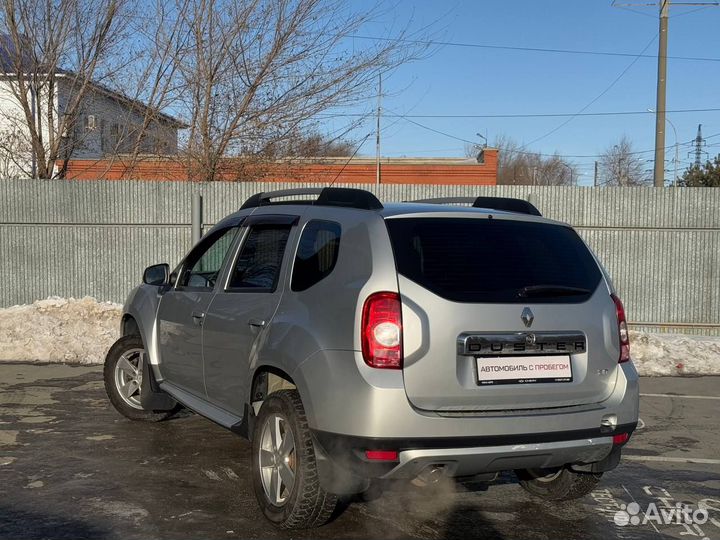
<point>183,308</point>
<point>240,314</point>
<point>502,312</point>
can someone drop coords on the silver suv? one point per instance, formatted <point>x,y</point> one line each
<point>356,343</point>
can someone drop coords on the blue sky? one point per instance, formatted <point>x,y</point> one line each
<point>473,81</point>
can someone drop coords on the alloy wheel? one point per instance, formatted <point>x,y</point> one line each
<point>128,376</point>
<point>277,459</point>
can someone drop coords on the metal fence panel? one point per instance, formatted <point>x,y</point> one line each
<point>76,238</point>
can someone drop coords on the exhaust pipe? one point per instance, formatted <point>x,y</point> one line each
<point>429,475</point>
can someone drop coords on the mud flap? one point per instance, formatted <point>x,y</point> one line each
<point>151,397</point>
<point>335,478</point>
<point>607,464</point>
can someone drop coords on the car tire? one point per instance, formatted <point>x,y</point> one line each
<point>123,355</point>
<point>305,504</point>
<point>558,484</point>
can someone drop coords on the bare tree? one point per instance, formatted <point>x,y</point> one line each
<point>47,44</point>
<point>258,71</point>
<point>14,151</point>
<point>314,145</point>
<point>146,71</point>
<point>621,166</point>
<point>517,166</point>
<point>247,75</point>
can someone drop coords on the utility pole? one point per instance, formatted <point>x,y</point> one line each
<point>672,125</point>
<point>620,165</point>
<point>659,169</point>
<point>569,168</point>
<point>659,173</point>
<point>699,141</point>
<point>595,178</point>
<point>377,132</point>
<point>674,184</point>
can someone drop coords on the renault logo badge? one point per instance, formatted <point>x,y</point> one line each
<point>527,317</point>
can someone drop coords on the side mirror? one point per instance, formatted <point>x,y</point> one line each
<point>157,274</point>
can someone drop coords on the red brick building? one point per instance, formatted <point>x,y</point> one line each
<point>355,171</point>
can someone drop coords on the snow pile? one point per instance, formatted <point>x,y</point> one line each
<point>82,331</point>
<point>675,354</point>
<point>59,330</point>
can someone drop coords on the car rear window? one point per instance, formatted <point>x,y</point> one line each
<point>494,260</point>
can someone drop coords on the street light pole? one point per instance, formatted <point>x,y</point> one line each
<point>481,154</point>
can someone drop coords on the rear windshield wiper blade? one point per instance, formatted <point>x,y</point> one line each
<point>551,290</point>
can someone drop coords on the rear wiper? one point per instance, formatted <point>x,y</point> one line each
<point>550,290</point>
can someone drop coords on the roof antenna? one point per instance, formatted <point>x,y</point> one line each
<point>349,159</point>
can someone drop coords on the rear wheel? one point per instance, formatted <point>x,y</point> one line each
<point>558,484</point>
<point>123,374</point>
<point>285,476</point>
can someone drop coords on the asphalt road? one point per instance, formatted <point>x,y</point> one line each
<point>71,467</point>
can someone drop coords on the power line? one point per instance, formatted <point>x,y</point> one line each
<point>521,115</point>
<point>703,5</point>
<point>661,94</point>
<point>597,98</point>
<point>526,152</point>
<point>635,11</point>
<point>415,151</point>
<point>526,49</point>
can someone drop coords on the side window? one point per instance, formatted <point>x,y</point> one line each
<point>260,259</point>
<point>204,264</point>
<point>317,254</point>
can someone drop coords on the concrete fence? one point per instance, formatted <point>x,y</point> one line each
<point>77,238</point>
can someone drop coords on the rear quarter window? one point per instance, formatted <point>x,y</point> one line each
<point>317,254</point>
<point>492,260</point>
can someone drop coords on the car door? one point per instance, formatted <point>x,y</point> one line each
<point>182,311</point>
<point>240,313</point>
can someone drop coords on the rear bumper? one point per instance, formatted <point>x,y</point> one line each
<point>352,408</point>
<point>470,461</point>
<point>466,456</point>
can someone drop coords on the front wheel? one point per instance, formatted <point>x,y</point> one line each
<point>284,470</point>
<point>557,484</point>
<point>123,374</point>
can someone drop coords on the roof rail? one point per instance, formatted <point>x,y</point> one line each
<point>506,204</point>
<point>329,196</point>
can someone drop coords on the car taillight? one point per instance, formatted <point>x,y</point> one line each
<point>382,331</point>
<point>623,330</point>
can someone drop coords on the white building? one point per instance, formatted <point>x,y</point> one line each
<point>107,125</point>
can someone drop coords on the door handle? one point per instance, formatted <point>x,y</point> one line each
<point>256,322</point>
<point>198,317</point>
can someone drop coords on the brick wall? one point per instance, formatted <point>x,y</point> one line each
<point>437,171</point>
